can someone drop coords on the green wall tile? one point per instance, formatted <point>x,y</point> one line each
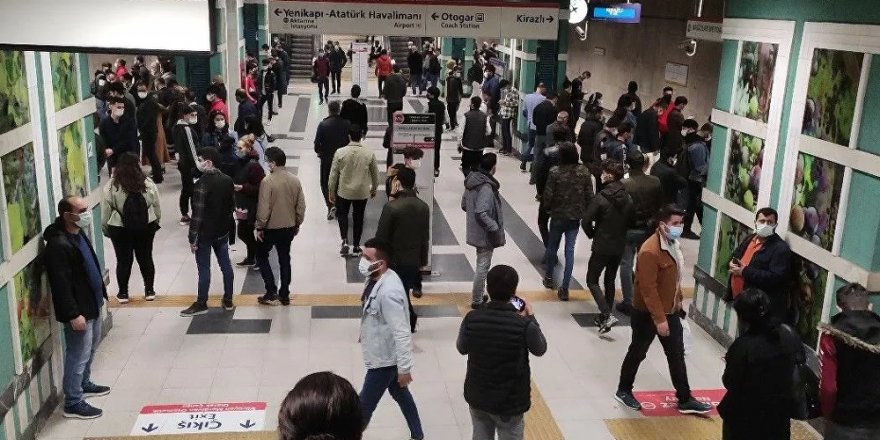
<point>869,133</point>
<point>843,11</point>
<point>716,158</point>
<point>707,238</point>
<point>84,75</point>
<point>861,233</point>
<point>726,74</point>
<point>7,359</point>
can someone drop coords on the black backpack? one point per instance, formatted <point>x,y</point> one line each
<point>135,212</point>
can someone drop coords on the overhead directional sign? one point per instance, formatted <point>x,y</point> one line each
<point>430,19</point>
<point>200,418</point>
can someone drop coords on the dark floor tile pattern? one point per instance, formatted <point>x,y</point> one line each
<point>441,234</point>
<point>219,321</point>
<point>355,312</point>
<point>417,105</point>
<point>586,319</point>
<point>300,115</point>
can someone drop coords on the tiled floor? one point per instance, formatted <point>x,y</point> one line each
<point>152,356</point>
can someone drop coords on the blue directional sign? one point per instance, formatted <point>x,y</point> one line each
<point>616,12</point>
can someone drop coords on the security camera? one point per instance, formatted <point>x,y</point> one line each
<point>582,34</point>
<point>688,46</point>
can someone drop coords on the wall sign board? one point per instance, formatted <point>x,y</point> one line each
<point>628,13</point>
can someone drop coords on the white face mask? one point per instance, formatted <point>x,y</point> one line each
<point>201,165</point>
<point>85,219</point>
<point>220,124</point>
<point>142,95</point>
<point>415,164</point>
<point>684,132</point>
<point>210,97</point>
<point>487,74</point>
<point>118,112</point>
<point>457,75</point>
<point>101,82</point>
<point>764,230</point>
<point>193,120</point>
<point>365,267</point>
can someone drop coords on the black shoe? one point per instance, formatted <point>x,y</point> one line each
<point>607,323</point>
<point>274,113</point>
<point>356,252</point>
<point>92,390</point>
<point>562,295</point>
<point>268,300</point>
<point>270,138</point>
<point>693,406</point>
<point>628,400</point>
<point>343,250</point>
<point>522,166</point>
<point>122,298</point>
<point>548,283</point>
<point>412,324</point>
<point>246,262</point>
<point>194,309</point>
<point>284,300</point>
<point>624,308</point>
<point>690,235</point>
<point>149,295</point>
<point>331,213</point>
<point>228,306</point>
<point>416,293</point>
<point>597,321</point>
<point>82,410</point>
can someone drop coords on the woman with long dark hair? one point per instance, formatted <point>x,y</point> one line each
<point>131,214</point>
<point>220,137</point>
<point>253,126</point>
<point>758,373</point>
<point>321,406</point>
<point>247,190</point>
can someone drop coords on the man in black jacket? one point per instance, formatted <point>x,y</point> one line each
<point>245,108</point>
<point>497,338</point>
<point>647,135</point>
<point>414,62</point>
<point>543,115</point>
<point>212,203</point>
<point>671,182</point>
<point>647,196</point>
<point>763,261</point>
<point>119,132</point>
<point>149,110</point>
<point>354,111</point>
<point>337,62</point>
<point>586,139</point>
<point>78,293</point>
<point>454,92</point>
<point>436,107</point>
<point>332,135</point>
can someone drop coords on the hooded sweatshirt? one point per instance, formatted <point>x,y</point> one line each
<point>482,203</point>
<point>611,211</point>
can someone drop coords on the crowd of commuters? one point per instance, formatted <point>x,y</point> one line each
<point>631,182</point>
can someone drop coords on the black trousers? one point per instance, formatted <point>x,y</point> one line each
<point>506,135</point>
<point>609,264</point>
<point>438,139</point>
<point>452,110</point>
<point>148,147</point>
<point>381,80</point>
<point>342,208</point>
<point>336,81</point>
<point>323,89</point>
<point>128,245</point>
<point>267,98</point>
<point>643,333</point>
<point>186,189</point>
<point>246,235</point>
<point>279,239</point>
<point>411,276</point>
<point>326,165</point>
<point>694,204</point>
<point>543,223</point>
<point>392,107</point>
<point>281,91</point>
<point>470,159</point>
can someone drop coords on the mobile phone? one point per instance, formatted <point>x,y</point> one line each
<point>518,303</point>
<point>736,261</point>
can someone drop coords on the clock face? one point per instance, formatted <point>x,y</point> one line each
<point>577,11</point>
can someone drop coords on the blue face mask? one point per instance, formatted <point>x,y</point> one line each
<point>674,232</point>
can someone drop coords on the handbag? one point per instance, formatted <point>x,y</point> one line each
<point>805,382</point>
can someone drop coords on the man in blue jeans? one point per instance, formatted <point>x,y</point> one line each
<point>528,110</point>
<point>385,337</point>
<point>77,293</point>
<point>212,203</point>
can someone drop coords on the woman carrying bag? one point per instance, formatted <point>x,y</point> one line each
<point>131,214</point>
<point>247,190</point>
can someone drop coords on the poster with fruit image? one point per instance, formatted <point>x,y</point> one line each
<point>809,298</point>
<point>33,303</point>
<point>72,158</point>
<point>64,79</point>
<point>730,235</point>
<point>831,95</point>
<point>22,201</point>
<point>744,170</point>
<point>754,82</point>
<point>14,110</point>
<point>816,201</point>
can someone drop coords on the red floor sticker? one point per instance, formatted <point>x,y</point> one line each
<point>664,403</point>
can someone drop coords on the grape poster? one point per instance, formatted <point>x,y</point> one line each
<point>831,95</point>
<point>72,158</point>
<point>14,111</point>
<point>817,187</point>
<point>744,170</point>
<point>33,311</point>
<point>809,298</point>
<point>731,234</point>
<point>754,83</point>
<point>22,201</point>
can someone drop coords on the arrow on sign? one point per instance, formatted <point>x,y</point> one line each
<point>550,18</point>
<point>434,16</point>
<point>150,428</point>
<point>278,12</point>
<point>247,424</point>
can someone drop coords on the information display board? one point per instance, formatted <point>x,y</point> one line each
<point>360,65</point>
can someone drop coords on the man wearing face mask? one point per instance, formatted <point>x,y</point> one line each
<point>281,210</point>
<point>332,134</point>
<point>148,128</point>
<point>656,308</point>
<point>385,337</point>
<point>412,159</point>
<point>439,110</point>
<point>118,132</point>
<point>78,293</point>
<point>762,261</point>
<point>485,220</point>
<point>695,168</point>
<point>671,182</point>
<point>321,73</point>
<point>186,142</point>
<point>454,92</point>
<point>212,203</point>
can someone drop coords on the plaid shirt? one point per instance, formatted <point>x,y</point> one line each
<point>200,194</point>
<point>509,102</point>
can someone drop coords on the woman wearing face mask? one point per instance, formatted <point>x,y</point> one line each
<point>131,214</point>
<point>412,159</point>
<point>220,137</point>
<point>253,126</point>
<point>247,190</point>
<point>214,99</point>
<point>606,221</point>
<point>186,143</point>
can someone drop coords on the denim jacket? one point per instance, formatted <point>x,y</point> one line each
<point>385,330</point>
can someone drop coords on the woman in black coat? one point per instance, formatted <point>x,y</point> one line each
<point>758,374</point>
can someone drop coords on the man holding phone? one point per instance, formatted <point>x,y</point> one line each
<point>656,307</point>
<point>494,337</point>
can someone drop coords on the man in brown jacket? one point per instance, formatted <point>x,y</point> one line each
<point>281,209</point>
<point>656,312</point>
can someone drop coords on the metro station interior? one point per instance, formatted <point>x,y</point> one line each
<point>784,98</point>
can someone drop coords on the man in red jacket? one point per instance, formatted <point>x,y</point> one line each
<point>849,356</point>
<point>321,71</point>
